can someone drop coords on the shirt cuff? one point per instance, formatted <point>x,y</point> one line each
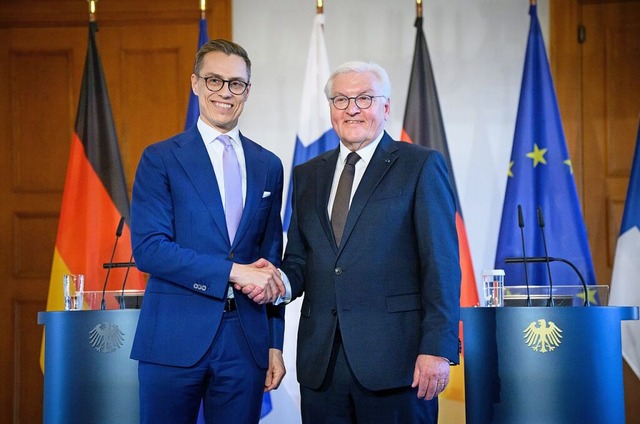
<point>287,285</point>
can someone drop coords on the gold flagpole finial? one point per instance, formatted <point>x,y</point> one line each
<point>419,8</point>
<point>319,7</point>
<point>92,10</point>
<point>203,8</point>
<point>532,2</point>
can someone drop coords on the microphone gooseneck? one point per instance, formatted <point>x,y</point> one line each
<point>124,282</point>
<point>103,303</point>
<point>546,255</point>
<point>524,253</point>
<point>541,259</point>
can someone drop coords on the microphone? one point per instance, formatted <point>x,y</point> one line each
<point>524,253</point>
<point>124,282</point>
<point>539,259</point>
<point>546,255</point>
<point>103,304</point>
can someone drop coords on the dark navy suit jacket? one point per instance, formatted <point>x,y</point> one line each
<point>179,237</point>
<point>393,286</point>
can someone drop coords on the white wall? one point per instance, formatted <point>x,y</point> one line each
<point>477,50</point>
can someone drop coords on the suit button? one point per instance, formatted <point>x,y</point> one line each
<point>334,312</point>
<point>338,271</point>
<point>230,256</point>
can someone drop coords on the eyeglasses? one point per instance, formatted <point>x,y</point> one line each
<point>362,101</point>
<point>215,84</point>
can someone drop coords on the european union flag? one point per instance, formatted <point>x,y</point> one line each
<point>193,110</point>
<point>540,174</point>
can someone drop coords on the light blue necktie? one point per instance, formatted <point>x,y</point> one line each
<point>232,186</point>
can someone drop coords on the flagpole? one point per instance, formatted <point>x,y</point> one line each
<point>532,2</point>
<point>319,7</point>
<point>203,8</point>
<point>419,8</point>
<point>92,10</point>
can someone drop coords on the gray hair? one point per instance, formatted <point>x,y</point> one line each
<point>360,68</point>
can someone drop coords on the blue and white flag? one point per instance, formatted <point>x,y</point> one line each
<point>625,282</point>
<point>540,174</point>
<point>315,134</point>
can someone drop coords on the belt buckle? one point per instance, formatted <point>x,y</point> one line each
<point>229,304</point>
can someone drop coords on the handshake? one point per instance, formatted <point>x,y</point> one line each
<point>260,281</point>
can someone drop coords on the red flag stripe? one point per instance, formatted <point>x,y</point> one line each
<point>88,221</point>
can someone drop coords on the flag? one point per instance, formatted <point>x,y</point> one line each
<point>315,134</point>
<point>95,194</point>
<point>540,174</point>
<point>193,109</point>
<point>423,125</point>
<point>625,282</point>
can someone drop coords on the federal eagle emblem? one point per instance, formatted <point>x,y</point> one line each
<point>106,337</point>
<point>542,336</point>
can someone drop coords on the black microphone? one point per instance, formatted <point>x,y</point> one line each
<point>124,282</point>
<point>524,253</point>
<point>103,303</point>
<point>546,255</point>
<point>533,259</point>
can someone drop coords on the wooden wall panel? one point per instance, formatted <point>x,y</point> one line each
<point>41,91</point>
<point>33,259</point>
<point>622,62</point>
<point>27,379</point>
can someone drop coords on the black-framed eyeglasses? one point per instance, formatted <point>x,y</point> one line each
<point>363,101</point>
<point>215,84</point>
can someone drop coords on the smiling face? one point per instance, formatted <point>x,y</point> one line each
<point>221,109</point>
<point>358,127</point>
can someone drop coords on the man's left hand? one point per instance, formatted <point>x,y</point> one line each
<point>430,376</point>
<point>276,370</point>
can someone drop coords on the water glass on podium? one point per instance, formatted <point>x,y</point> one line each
<point>493,285</point>
<point>73,290</point>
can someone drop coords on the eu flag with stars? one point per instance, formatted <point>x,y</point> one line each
<point>193,109</point>
<point>540,174</point>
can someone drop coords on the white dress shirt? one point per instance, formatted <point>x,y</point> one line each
<point>215,149</point>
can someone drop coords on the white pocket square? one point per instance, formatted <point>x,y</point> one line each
<point>266,194</point>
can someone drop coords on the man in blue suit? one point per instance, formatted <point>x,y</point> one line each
<point>373,247</point>
<point>206,205</point>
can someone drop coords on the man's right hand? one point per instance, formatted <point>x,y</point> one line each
<point>260,281</point>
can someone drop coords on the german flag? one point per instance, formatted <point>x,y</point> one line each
<point>423,125</point>
<point>95,194</point>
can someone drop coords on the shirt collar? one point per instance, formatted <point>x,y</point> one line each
<point>366,153</point>
<point>209,134</point>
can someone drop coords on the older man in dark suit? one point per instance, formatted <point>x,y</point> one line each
<point>373,247</point>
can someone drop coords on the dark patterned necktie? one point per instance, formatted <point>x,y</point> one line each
<point>343,197</point>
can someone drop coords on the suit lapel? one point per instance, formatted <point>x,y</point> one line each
<point>325,172</point>
<point>381,161</point>
<point>255,163</point>
<point>194,159</point>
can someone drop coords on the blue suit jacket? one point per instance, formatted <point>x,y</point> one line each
<point>393,286</point>
<point>179,237</point>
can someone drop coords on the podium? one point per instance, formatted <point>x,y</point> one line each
<point>544,365</point>
<point>89,377</point>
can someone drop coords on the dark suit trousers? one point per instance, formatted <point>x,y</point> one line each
<point>226,379</point>
<point>342,400</point>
